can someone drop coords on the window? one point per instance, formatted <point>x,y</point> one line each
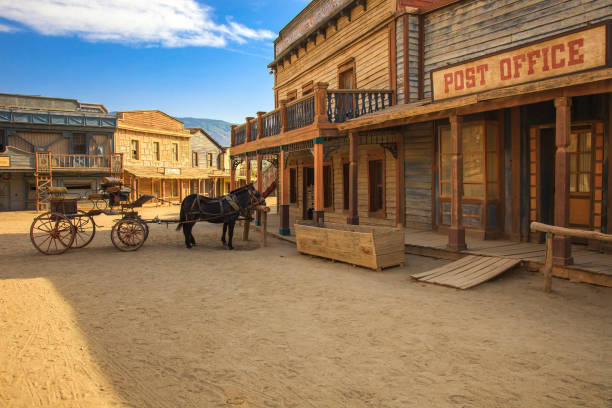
<point>79,143</point>
<point>328,187</point>
<point>445,162</point>
<point>345,184</point>
<point>135,152</point>
<point>194,159</point>
<point>346,75</point>
<point>175,188</point>
<point>291,96</point>
<point>209,158</point>
<point>376,185</point>
<point>175,152</point>
<point>293,185</point>
<point>473,166</point>
<point>156,151</point>
<point>307,88</point>
<point>221,161</point>
<point>580,162</point>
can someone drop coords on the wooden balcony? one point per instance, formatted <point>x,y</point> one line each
<point>313,115</point>
<point>111,163</point>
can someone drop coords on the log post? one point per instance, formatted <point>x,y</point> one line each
<point>264,227</point>
<point>320,102</point>
<point>283,116</point>
<point>284,193</point>
<point>232,134</point>
<point>400,193</point>
<point>232,175</point>
<point>319,202</point>
<point>562,250</point>
<point>353,217</point>
<point>248,169</point>
<point>515,131</point>
<point>259,184</point>
<point>548,263</point>
<point>260,124</point>
<point>456,232</point>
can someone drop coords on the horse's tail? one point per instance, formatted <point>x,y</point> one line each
<point>182,218</point>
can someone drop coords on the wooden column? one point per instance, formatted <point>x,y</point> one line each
<point>456,232</point>
<point>232,135</point>
<point>562,249</point>
<point>283,116</point>
<point>284,194</point>
<point>515,131</point>
<point>607,155</point>
<point>260,124</point>
<point>247,130</point>
<point>318,213</point>
<point>400,191</point>
<point>162,189</point>
<point>248,170</point>
<point>353,217</point>
<point>181,193</point>
<point>260,186</point>
<point>232,176</point>
<point>320,101</point>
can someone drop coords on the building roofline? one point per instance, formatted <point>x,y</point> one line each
<point>212,139</point>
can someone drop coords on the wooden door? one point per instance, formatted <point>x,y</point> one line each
<point>4,196</point>
<point>307,193</point>
<point>581,178</point>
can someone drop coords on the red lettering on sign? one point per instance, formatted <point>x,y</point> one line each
<point>505,69</point>
<point>557,63</point>
<point>481,69</point>
<point>470,77</point>
<point>458,80</point>
<point>531,61</point>
<point>574,56</point>
<point>517,64</point>
<point>545,66</point>
<point>448,80</point>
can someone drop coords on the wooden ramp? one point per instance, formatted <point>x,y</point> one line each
<point>468,272</point>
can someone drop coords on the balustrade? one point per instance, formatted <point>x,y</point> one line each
<point>345,104</point>
<point>271,124</point>
<point>240,136</point>
<point>80,161</point>
<point>300,113</point>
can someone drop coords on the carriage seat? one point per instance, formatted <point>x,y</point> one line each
<point>95,196</point>
<point>57,193</point>
<point>111,181</point>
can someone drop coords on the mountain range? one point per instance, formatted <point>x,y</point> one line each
<point>218,129</point>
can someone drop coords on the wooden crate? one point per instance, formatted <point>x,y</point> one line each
<point>371,247</point>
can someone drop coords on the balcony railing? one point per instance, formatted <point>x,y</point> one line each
<point>80,161</point>
<point>322,106</point>
<point>345,104</point>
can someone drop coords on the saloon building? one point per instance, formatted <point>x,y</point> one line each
<point>52,141</point>
<point>459,116</point>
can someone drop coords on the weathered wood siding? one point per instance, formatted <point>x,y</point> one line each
<point>365,38</point>
<point>18,159</point>
<point>418,172</point>
<point>413,57</point>
<point>150,120</point>
<point>473,29</point>
<point>399,44</point>
<point>123,140</point>
<point>203,145</point>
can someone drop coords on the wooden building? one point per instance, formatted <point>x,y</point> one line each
<point>460,116</point>
<point>52,141</point>
<point>158,155</point>
<point>207,153</point>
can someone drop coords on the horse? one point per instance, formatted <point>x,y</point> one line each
<point>225,209</point>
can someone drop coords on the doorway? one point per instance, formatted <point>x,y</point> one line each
<point>547,176</point>
<point>308,193</point>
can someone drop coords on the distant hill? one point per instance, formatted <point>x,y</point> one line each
<point>218,129</point>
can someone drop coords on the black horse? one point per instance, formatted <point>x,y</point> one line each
<point>218,210</point>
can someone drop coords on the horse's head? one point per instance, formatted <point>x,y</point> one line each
<point>256,197</point>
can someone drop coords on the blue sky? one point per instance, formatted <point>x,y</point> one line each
<point>195,58</point>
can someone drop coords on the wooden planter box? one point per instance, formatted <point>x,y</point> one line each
<point>371,247</point>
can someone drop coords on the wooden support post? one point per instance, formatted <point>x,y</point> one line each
<point>247,130</point>
<point>260,124</point>
<point>320,101</point>
<point>608,155</point>
<point>456,232</point>
<point>263,228</point>
<point>562,250</point>
<point>181,192</point>
<point>245,231</point>
<point>400,191</point>
<point>232,134</point>
<point>515,131</point>
<point>353,217</point>
<point>259,185</point>
<point>232,177</point>
<point>318,213</point>
<point>283,116</point>
<point>284,194</point>
<point>548,263</point>
<point>248,170</point>
<point>163,189</point>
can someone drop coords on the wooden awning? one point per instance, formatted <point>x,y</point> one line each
<point>185,173</point>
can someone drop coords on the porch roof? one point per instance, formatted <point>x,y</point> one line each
<point>185,173</point>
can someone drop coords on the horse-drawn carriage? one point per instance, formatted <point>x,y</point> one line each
<point>65,226</point>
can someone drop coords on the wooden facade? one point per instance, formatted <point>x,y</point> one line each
<point>498,114</point>
<point>74,139</point>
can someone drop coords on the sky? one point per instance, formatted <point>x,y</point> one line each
<point>188,58</point>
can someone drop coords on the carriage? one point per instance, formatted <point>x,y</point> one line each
<point>65,226</point>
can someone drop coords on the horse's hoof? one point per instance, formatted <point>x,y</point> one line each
<point>188,246</point>
<point>230,248</point>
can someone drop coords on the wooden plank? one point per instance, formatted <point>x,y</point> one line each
<point>453,276</point>
<point>501,268</point>
<point>446,268</point>
<point>477,274</point>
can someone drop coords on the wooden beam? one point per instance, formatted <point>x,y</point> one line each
<point>400,191</point>
<point>353,217</point>
<point>608,186</point>
<point>562,245</point>
<point>283,173</point>
<point>319,202</point>
<point>456,232</point>
<point>406,39</point>
<point>515,131</point>
<point>393,60</point>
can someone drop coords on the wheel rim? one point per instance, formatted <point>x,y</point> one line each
<point>128,235</point>
<point>52,233</point>
<point>84,229</point>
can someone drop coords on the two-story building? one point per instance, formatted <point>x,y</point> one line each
<point>464,116</point>
<point>207,154</point>
<point>52,141</point>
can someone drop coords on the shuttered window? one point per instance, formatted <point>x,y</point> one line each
<point>376,184</point>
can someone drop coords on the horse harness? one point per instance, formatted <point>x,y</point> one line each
<point>196,206</point>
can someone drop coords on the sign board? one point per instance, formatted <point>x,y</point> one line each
<point>566,54</point>
<point>172,171</point>
<point>5,161</point>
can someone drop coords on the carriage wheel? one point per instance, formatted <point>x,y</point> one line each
<point>84,229</point>
<point>52,233</point>
<point>128,234</point>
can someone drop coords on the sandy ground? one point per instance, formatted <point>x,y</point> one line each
<point>171,327</point>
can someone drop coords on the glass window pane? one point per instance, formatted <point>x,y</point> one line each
<point>472,167</point>
<point>573,183</point>
<point>584,142</point>
<point>492,190</point>
<point>573,147</point>
<point>446,167</point>
<point>573,159</point>
<point>445,145</point>
<point>473,190</point>
<point>585,183</point>
<point>445,189</point>
<point>491,166</point>
<point>491,136</point>
<point>585,162</point>
<point>472,137</point>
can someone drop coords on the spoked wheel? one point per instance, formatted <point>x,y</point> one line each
<point>84,229</point>
<point>129,234</point>
<point>52,233</point>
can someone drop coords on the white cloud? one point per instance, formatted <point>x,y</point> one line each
<point>6,29</point>
<point>168,23</point>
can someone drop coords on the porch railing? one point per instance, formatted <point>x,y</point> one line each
<point>322,106</point>
<point>345,104</point>
<point>80,161</point>
<point>300,113</point>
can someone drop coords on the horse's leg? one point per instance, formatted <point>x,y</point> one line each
<point>191,233</point>
<point>187,233</point>
<point>224,230</point>
<point>232,222</point>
